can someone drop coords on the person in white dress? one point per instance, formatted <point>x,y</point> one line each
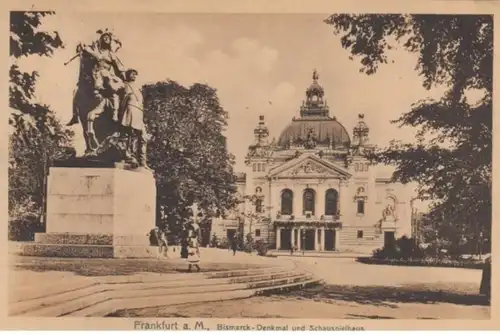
<point>193,254</point>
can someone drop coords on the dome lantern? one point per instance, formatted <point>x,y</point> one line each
<point>314,105</point>
<point>314,128</point>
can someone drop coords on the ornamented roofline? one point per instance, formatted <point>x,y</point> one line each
<point>322,163</point>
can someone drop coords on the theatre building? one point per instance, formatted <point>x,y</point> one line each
<point>313,187</point>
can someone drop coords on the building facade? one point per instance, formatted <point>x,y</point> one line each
<point>314,188</point>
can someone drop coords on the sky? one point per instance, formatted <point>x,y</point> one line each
<point>251,59</point>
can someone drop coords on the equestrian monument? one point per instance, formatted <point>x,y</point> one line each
<point>102,204</point>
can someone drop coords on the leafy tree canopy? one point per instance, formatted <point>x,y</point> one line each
<point>451,159</point>
<point>187,149</point>
<point>37,135</point>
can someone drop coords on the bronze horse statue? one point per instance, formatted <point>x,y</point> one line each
<point>86,100</point>
<point>108,107</point>
<point>93,103</point>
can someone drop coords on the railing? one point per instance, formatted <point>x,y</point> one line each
<point>331,222</point>
<point>307,217</point>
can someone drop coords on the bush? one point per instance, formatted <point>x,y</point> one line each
<point>24,221</point>
<point>404,248</point>
<point>24,229</point>
<point>261,247</point>
<point>214,241</point>
<point>408,248</point>
<point>224,243</point>
<point>249,243</point>
<point>429,262</point>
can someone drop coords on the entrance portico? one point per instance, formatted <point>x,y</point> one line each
<point>307,235</point>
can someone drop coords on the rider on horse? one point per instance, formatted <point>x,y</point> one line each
<point>107,74</point>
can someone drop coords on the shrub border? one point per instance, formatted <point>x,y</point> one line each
<point>422,263</point>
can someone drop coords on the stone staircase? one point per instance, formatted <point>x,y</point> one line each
<point>101,296</point>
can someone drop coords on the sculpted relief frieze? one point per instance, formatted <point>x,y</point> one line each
<point>308,168</point>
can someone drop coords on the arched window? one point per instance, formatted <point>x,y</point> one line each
<point>258,205</point>
<point>258,190</point>
<point>331,202</point>
<point>309,200</point>
<point>287,202</point>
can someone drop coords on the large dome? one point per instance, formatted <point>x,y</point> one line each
<point>315,123</point>
<point>323,130</point>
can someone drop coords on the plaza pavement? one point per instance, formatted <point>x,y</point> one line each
<point>351,290</point>
<point>97,287</point>
<point>346,271</point>
<point>354,290</point>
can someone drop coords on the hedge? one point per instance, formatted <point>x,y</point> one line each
<point>445,263</point>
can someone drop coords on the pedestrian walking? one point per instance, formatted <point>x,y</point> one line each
<point>193,254</point>
<point>234,244</point>
<point>158,237</point>
<point>184,237</point>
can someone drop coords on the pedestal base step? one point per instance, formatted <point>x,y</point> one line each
<point>91,239</point>
<point>87,251</point>
<point>68,238</point>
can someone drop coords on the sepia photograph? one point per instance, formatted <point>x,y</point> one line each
<point>250,166</point>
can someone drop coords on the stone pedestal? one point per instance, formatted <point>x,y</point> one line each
<point>109,209</point>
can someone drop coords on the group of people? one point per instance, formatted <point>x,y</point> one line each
<point>189,243</point>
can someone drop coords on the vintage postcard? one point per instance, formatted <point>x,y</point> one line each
<point>249,166</point>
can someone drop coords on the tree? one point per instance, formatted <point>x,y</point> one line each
<point>187,150</point>
<point>37,136</point>
<point>451,159</point>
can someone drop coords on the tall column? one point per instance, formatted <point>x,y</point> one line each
<point>337,239</point>
<point>316,239</point>
<point>299,238</point>
<point>292,237</point>
<point>322,238</point>
<point>278,238</point>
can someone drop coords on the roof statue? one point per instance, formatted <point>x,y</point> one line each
<point>315,75</point>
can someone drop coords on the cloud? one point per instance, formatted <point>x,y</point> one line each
<point>282,93</point>
<point>257,57</point>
